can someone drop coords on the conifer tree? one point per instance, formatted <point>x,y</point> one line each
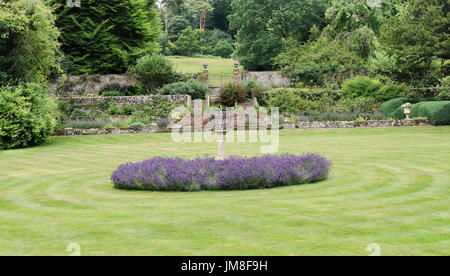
<point>106,36</point>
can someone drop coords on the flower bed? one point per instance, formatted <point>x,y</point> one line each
<point>235,173</point>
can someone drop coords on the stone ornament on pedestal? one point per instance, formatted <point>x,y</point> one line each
<point>221,131</point>
<point>205,77</point>
<point>407,110</point>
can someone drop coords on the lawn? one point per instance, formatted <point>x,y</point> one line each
<point>220,69</point>
<point>216,65</point>
<point>389,186</point>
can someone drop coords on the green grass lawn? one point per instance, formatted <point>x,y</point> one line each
<point>220,69</point>
<point>216,65</point>
<point>388,186</point>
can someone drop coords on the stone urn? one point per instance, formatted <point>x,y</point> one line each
<point>407,110</point>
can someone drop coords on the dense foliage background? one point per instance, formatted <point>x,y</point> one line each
<point>402,41</point>
<point>28,41</point>
<point>106,36</point>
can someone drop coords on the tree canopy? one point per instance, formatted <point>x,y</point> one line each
<point>107,36</point>
<point>414,40</point>
<point>418,36</point>
<point>264,25</point>
<point>29,41</point>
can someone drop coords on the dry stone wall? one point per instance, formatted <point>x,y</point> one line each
<point>122,101</point>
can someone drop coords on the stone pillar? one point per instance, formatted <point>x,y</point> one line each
<point>237,74</point>
<point>205,75</point>
<point>221,144</point>
<point>208,101</point>
<point>189,101</point>
<point>198,115</point>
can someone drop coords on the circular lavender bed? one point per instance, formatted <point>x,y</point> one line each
<point>234,173</point>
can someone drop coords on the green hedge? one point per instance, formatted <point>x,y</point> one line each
<point>389,107</point>
<point>437,112</point>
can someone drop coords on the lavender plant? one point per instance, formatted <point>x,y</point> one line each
<point>235,173</point>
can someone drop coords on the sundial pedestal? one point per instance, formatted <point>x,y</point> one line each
<point>221,144</point>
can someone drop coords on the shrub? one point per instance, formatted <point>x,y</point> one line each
<point>111,93</point>
<point>183,77</point>
<point>255,89</point>
<point>158,107</point>
<point>86,124</point>
<point>232,93</point>
<point>27,116</point>
<point>163,122</point>
<point>361,86</point>
<point>196,89</point>
<point>78,114</point>
<point>391,91</point>
<point>343,116</point>
<point>300,101</point>
<point>176,174</point>
<point>126,110</point>
<point>390,106</point>
<point>115,90</point>
<point>444,95</point>
<point>153,71</point>
<point>137,126</point>
<point>359,104</point>
<point>223,49</point>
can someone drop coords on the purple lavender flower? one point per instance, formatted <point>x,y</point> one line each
<point>234,173</point>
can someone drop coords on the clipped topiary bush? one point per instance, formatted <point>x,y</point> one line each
<point>196,89</point>
<point>27,116</point>
<point>437,112</point>
<point>389,107</point>
<point>235,173</point>
<point>361,86</point>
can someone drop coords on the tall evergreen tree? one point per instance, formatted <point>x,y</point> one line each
<point>107,36</point>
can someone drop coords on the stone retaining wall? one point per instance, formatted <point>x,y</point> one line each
<point>269,78</point>
<point>356,124</point>
<point>90,85</point>
<point>122,101</point>
<point>104,131</point>
<point>87,84</point>
<point>301,125</point>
